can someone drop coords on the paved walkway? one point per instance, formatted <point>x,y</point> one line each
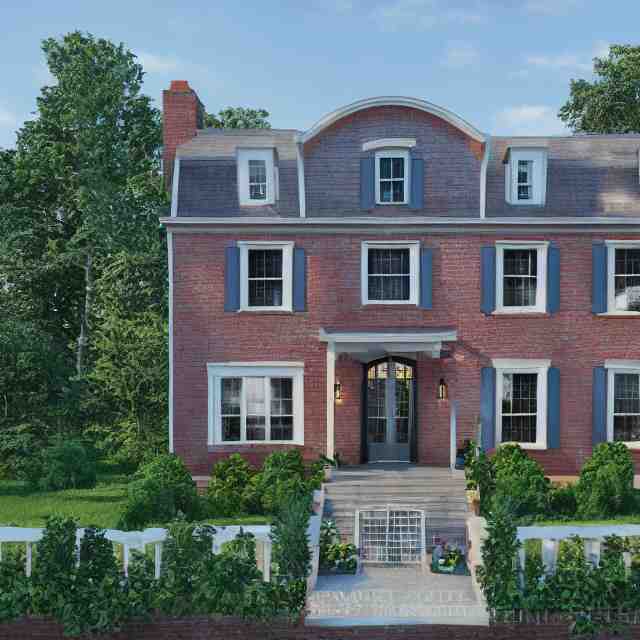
<point>395,595</point>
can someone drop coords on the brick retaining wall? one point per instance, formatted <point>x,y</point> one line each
<point>234,629</point>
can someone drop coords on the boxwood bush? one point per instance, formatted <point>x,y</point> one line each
<point>160,491</point>
<point>65,464</point>
<point>605,487</point>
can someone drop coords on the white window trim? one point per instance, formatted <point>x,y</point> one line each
<point>414,265</point>
<point>216,371</point>
<point>394,153</point>
<point>244,155</point>
<point>539,176</point>
<point>541,291</point>
<point>541,367</point>
<point>612,245</point>
<point>386,143</point>
<point>287,273</point>
<point>613,367</point>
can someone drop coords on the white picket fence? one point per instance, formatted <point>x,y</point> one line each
<point>592,535</point>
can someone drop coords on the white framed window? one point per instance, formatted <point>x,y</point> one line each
<point>256,177</point>
<point>623,402</point>
<point>623,275</point>
<point>266,280</point>
<point>390,272</point>
<point>526,176</point>
<point>256,403</point>
<point>392,176</point>
<point>521,277</point>
<point>521,402</point>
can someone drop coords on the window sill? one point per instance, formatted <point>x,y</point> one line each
<point>619,314</point>
<point>520,314</point>
<point>531,446</point>
<point>634,446</point>
<point>224,446</point>
<point>267,311</point>
<point>387,303</point>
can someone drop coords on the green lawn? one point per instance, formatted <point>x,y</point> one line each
<point>630,519</point>
<point>101,506</point>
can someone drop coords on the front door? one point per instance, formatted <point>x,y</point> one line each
<point>389,409</point>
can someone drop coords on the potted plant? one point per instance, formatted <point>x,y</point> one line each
<point>449,558</point>
<point>329,464</point>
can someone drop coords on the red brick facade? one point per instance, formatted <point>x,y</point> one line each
<point>573,339</point>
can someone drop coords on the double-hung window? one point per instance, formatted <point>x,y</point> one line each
<point>257,182</point>
<point>526,176</point>
<point>390,272</point>
<point>392,176</point>
<point>521,277</point>
<point>624,277</point>
<point>255,403</point>
<point>266,276</point>
<point>623,402</point>
<point>521,402</point>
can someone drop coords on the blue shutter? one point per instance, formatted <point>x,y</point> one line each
<point>232,279</point>
<point>553,279</point>
<point>299,280</point>
<point>416,200</point>
<point>367,183</point>
<point>488,407</point>
<point>599,278</point>
<point>488,279</point>
<point>426,278</point>
<point>599,405</point>
<point>553,408</point>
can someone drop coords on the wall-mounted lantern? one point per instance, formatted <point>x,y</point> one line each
<point>443,392</point>
<point>337,391</point>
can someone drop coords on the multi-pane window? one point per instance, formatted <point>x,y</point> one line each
<point>257,179</point>
<point>389,274</point>
<point>627,279</point>
<point>626,407</point>
<point>377,403</point>
<point>519,410</point>
<point>520,277</point>
<point>265,277</point>
<point>525,179</point>
<point>391,177</point>
<point>247,416</point>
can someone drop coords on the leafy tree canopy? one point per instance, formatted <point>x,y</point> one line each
<point>238,118</point>
<point>611,103</point>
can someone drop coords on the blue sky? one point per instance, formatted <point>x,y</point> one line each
<point>504,65</point>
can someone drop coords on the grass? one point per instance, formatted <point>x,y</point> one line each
<point>101,506</point>
<point>628,519</point>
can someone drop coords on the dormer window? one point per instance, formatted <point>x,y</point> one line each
<point>256,177</point>
<point>392,176</point>
<point>526,176</point>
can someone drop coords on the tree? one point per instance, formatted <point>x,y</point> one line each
<point>238,118</point>
<point>611,103</point>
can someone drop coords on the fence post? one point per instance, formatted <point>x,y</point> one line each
<point>157,559</point>
<point>626,557</point>
<point>125,558</point>
<point>592,551</point>
<point>78,536</point>
<point>549,555</point>
<point>522,558</point>
<point>29,559</point>
<point>0,551</point>
<point>266,561</point>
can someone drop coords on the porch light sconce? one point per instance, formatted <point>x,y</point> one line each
<point>337,392</point>
<point>443,392</point>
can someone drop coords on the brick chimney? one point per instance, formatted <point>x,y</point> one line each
<point>182,116</point>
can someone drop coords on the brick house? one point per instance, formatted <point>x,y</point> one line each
<point>393,281</point>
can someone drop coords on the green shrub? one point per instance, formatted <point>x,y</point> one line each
<point>605,487</point>
<point>15,595</point>
<point>161,490</point>
<point>562,501</point>
<point>67,464</point>
<point>521,480</point>
<point>291,552</point>
<point>479,474</point>
<point>227,493</point>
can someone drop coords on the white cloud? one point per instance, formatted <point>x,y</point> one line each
<point>528,120</point>
<point>560,62</point>
<point>152,63</point>
<point>460,54</point>
<point>421,15</point>
<point>551,7</point>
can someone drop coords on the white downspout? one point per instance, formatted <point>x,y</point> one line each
<point>483,177</point>
<point>302,199</point>
<point>331,379</point>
